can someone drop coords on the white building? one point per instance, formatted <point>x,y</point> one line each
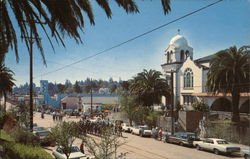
<point>190,78</point>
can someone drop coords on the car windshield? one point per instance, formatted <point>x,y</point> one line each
<point>145,128</point>
<point>192,136</point>
<point>75,149</point>
<point>39,128</point>
<point>222,142</point>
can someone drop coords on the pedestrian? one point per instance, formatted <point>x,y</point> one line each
<point>160,133</point>
<point>54,115</point>
<point>82,147</point>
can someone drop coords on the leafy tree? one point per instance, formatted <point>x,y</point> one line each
<point>128,105</point>
<point>107,147</point>
<point>230,73</point>
<point>50,17</point>
<point>200,106</point>
<point>140,115</point>
<point>152,118</point>
<point>77,88</point>
<point>6,80</point>
<point>149,87</point>
<point>64,134</point>
<point>61,88</point>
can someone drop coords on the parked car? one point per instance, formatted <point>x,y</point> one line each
<point>75,154</point>
<point>38,128</point>
<point>218,146</point>
<point>246,154</point>
<point>42,138</point>
<point>126,127</point>
<point>141,130</point>
<point>181,138</point>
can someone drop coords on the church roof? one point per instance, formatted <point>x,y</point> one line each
<point>178,41</point>
<point>204,59</point>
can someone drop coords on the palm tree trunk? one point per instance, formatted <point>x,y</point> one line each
<point>5,98</point>
<point>235,106</point>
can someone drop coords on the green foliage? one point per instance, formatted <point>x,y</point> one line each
<point>140,115</point>
<point>152,118</point>
<point>149,87</point>
<point>20,151</point>
<point>128,105</point>
<point>229,72</point>
<point>200,106</point>
<point>107,147</point>
<point>5,136</point>
<point>64,134</point>
<point>23,136</point>
<point>77,88</point>
<point>108,106</point>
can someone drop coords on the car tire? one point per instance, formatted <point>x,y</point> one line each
<point>181,144</point>
<point>216,151</point>
<point>246,156</point>
<point>198,147</point>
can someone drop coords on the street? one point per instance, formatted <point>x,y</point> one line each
<point>137,147</point>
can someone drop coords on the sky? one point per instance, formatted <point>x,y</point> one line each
<point>209,31</point>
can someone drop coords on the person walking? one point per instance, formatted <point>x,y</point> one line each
<point>160,133</point>
<point>82,147</point>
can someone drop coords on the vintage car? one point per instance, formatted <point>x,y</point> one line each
<point>142,130</point>
<point>75,154</point>
<point>218,146</point>
<point>246,154</point>
<point>181,138</point>
<point>126,127</point>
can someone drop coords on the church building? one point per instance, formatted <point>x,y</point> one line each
<point>190,76</point>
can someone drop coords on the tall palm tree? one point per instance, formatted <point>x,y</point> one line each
<point>230,73</point>
<point>6,80</point>
<point>59,17</point>
<point>149,87</point>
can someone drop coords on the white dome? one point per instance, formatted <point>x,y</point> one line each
<point>178,41</point>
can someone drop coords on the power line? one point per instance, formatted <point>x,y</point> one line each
<point>132,39</point>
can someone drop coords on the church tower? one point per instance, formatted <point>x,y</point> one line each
<point>176,53</point>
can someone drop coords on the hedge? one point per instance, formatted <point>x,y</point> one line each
<point>20,151</point>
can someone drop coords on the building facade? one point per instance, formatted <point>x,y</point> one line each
<point>190,77</point>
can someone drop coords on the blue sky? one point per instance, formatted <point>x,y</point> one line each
<point>213,29</point>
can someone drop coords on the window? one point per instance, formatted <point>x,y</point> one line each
<point>188,78</point>
<point>188,99</point>
<point>187,54</point>
<point>182,55</point>
<point>168,58</point>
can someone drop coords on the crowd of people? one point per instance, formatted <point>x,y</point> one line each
<point>98,127</point>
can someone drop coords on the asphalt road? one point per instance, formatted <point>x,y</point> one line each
<point>137,147</point>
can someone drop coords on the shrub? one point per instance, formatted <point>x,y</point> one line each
<point>23,136</point>
<point>200,106</point>
<point>21,151</point>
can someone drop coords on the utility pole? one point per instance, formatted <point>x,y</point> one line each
<point>91,98</point>
<point>30,49</point>
<point>30,38</point>
<point>172,102</point>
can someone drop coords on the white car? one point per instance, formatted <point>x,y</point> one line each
<point>246,154</point>
<point>141,130</point>
<point>126,127</point>
<point>75,154</point>
<point>218,146</point>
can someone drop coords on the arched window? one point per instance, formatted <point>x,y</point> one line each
<point>182,55</point>
<point>187,54</point>
<point>188,78</point>
<point>171,56</point>
<point>168,57</point>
